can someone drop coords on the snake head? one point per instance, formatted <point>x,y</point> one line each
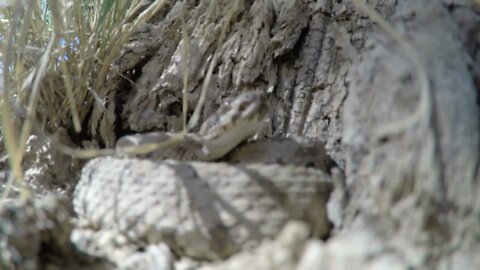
<point>235,121</point>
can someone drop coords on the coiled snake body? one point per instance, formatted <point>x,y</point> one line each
<point>127,207</point>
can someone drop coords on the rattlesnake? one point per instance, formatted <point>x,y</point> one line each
<point>204,210</point>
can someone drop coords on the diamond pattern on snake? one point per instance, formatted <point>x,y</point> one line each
<point>182,197</point>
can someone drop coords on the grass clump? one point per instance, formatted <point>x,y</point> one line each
<point>55,59</point>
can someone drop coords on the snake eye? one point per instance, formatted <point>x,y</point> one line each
<point>243,106</point>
